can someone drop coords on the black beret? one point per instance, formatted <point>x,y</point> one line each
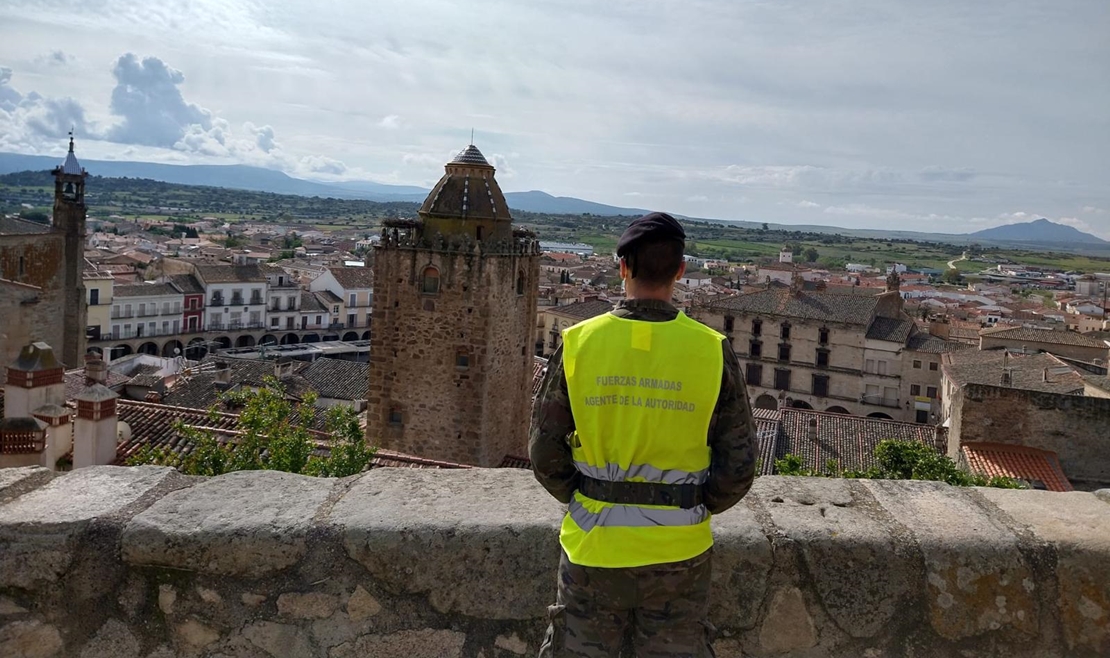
<point>652,227</point>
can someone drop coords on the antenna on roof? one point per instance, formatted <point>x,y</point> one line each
<point>472,137</point>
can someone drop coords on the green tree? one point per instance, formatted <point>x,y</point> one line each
<point>901,460</point>
<point>811,255</point>
<point>951,275</point>
<point>36,215</point>
<point>273,433</point>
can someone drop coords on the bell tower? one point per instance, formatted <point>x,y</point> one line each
<point>454,309</point>
<point>69,219</point>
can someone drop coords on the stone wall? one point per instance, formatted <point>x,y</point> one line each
<point>21,323</point>
<point>144,562</point>
<point>1075,427</point>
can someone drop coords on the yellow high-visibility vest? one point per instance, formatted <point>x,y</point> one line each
<point>642,395</point>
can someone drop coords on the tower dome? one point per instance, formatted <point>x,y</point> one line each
<point>467,191</point>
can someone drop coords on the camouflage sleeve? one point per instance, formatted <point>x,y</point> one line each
<point>548,438</point>
<point>731,440</point>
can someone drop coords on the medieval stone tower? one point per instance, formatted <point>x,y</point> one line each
<point>69,219</point>
<point>42,294</point>
<point>454,314</point>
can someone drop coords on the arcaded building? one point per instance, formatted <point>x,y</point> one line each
<point>454,312</point>
<point>42,293</point>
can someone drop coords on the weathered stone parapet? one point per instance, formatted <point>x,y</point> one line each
<point>145,562</point>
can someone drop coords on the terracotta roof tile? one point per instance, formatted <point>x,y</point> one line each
<point>827,306</point>
<point>583,310</point>
<point>894,330</point>
<point>353,278</point>
<point>1020,462</point>
<point>1044,336</point>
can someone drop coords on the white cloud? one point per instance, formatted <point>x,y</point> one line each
<point>808,204</point>
<point>153,112</point>
<point>1092,210</point>
<point>697,198</point>
<point>391,122</point>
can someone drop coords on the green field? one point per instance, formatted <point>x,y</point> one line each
<point>140,199</point>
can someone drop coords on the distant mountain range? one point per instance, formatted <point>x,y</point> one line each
<point>258,179</point>
<point>1039,231</point>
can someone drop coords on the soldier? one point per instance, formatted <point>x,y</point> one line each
<point>642,427</point>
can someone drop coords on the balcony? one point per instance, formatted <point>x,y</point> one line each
<point>236,300</point>
<point>217,301</point>
<point>878,401</point>
<point>122,315</point>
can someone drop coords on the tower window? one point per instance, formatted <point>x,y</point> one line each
<point>462,359</point>
<point>478,233</point>
<point>22,267</point>
<point>520,283</point>
<point>430,284</point>
<point>395,416</point>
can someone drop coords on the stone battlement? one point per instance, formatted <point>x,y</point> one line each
<point>146,562</point>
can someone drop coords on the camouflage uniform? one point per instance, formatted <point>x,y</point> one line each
<point>662,606</point>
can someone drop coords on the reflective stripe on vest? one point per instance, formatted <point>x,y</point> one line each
<point>642,473</point>
<point>642,395</point>
<point>635,516</point>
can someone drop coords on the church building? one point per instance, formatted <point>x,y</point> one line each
<point>454,312</point>
<point>42,295</point>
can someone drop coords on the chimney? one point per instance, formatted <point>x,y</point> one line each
<point>940,328</point>
<point>96,371</point>
<point>222,375</point>
<point>811,429</point>
<point>95,432</point>
<point>283,367</point>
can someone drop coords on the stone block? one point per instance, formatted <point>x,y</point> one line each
<point>1103,495</point>
<point>742,562</point>
<point>195,636</point>
<point>362,605</point>
<point>788,625</point>
<point>495,522</point>
<point>15,481</point>
<point>278,640</point>
<point>1078,526</point>
<point>247,523</point>
<point>841,538</point>
<point>427,643</point>
<point>113,640</point>
<point>40,529</point>
<point>29,639</point>
<point>976,578</point>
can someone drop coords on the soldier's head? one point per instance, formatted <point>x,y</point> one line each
<point>650,250</point>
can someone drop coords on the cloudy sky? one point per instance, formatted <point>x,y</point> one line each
<point>945,115</point>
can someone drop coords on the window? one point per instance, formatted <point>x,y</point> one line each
<point>22,266</point>
<point>729,323</point>
<point>784,332</point>
<point>931,392</point>
<point>922,416</point>
<point>462,359</point>
<point>520,283</point>
<point>352,300</point>
<point>821,385</point>
<point>915,389</point>
<point>395,416</point>
<point>165,327</point>
<point>869,365</point>
<point>317,319</point>
<point>822,358</point>
<point>757,327</point>
<point>823,336</point>
<point>871,393</point>
<point>142,310</point>
<point>351,319</point>
<point>290,303</point>
<point>94,296</point>
<point>890,395</point>
<point>917,365</point>
<point>478,233</point>
<point>430,281</point>
<point>274,322</point>
<point>784,352</point>
<point>754,374</point>
<point>335,309</point>
<point>755,349</point>
<point>782,379</point>
<point>933,366</point>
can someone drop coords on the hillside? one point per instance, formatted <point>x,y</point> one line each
<point>257,179</point>
<point>1039,231</point>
